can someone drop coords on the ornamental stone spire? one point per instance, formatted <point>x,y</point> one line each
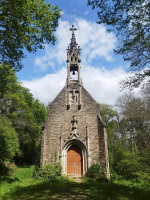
<point>73,39</point>
<point>73,58</point>
<point>73,68</point>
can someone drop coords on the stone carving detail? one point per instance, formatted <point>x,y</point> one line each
<point>74,122</point>
<point>74,133</point>
<point>70,96</point>
<point>73,96</point>
<point>73,66</point>
<point>61,140</point>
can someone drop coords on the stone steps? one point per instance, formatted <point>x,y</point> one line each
<point>78,179</point>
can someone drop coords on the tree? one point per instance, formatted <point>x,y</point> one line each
<point>130,20</point>
<point>134,124</point>
<point>9,144</point>
<point>25,24</point>
<point>7,78</point>
<point>109,116</point>
<point>107,113</point>
<point>128,130</point>
<point>26,115</point>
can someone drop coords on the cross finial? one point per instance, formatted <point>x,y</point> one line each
<point>73,29</point>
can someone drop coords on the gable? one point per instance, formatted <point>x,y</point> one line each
<point>60,94</point>
<point>86,93</point>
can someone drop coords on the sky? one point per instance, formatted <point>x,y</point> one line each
<point>45,71</point>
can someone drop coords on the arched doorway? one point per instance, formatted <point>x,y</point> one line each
<point>74,160</point>
<point>84,155</point>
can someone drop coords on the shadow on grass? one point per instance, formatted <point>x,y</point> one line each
<point>63,188</point>
<point>8,179</point>
<point>24,166</point>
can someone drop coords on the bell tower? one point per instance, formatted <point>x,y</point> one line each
<point>73,68</point>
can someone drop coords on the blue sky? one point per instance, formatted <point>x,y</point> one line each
<point>45,72</point>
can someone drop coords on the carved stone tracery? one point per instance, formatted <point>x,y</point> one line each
<point>73,60</point>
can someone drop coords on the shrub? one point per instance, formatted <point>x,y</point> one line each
<point>141,177</point>
<point>113,175</point>
<point>127,163</point>
<point>9,144</point>
<point>47,171</point>
<point>7,168</point>
<point>95,171</point>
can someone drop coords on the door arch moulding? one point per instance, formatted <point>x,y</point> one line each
<point>85,157</point>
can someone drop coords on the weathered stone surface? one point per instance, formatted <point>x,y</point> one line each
<point>74,118</point>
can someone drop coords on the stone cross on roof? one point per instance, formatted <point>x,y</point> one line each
<point>73,29</point>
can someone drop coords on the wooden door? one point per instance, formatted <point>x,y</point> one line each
<point>74,160</point>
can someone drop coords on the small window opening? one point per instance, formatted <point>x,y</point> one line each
<point>75,59</point>
<point>76,99</point>
<point>73,75</point>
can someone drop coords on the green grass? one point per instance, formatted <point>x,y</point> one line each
<point>22,185</point>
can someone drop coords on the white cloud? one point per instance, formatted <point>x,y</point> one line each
<point>42,66</point>
<point>96,43</point>
<point>38,62</point>
<point>47,87</point>
<point>86,12</point>
<point>93,38</point>
<point>62,12</point>
<point>102,84</point>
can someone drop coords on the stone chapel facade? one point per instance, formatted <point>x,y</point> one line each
<point>74,133</point>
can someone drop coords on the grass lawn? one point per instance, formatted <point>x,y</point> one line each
<point>22,185</point>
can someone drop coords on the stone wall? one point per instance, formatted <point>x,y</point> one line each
<point>58,129</point>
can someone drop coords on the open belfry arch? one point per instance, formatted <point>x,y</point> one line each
<point>74,133</point>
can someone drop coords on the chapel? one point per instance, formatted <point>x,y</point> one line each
<point>74,133</point>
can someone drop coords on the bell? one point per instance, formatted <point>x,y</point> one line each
<point>73,73</point>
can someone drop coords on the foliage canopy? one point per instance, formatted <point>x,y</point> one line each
<point>9,144</point>
<point>25,114</point>
<point>25,24</point>
<point>128,131</point>
<point>131,22</point>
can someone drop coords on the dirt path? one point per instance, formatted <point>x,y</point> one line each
<point>77,179</point>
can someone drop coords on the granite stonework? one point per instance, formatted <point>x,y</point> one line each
<point>74,118</point>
